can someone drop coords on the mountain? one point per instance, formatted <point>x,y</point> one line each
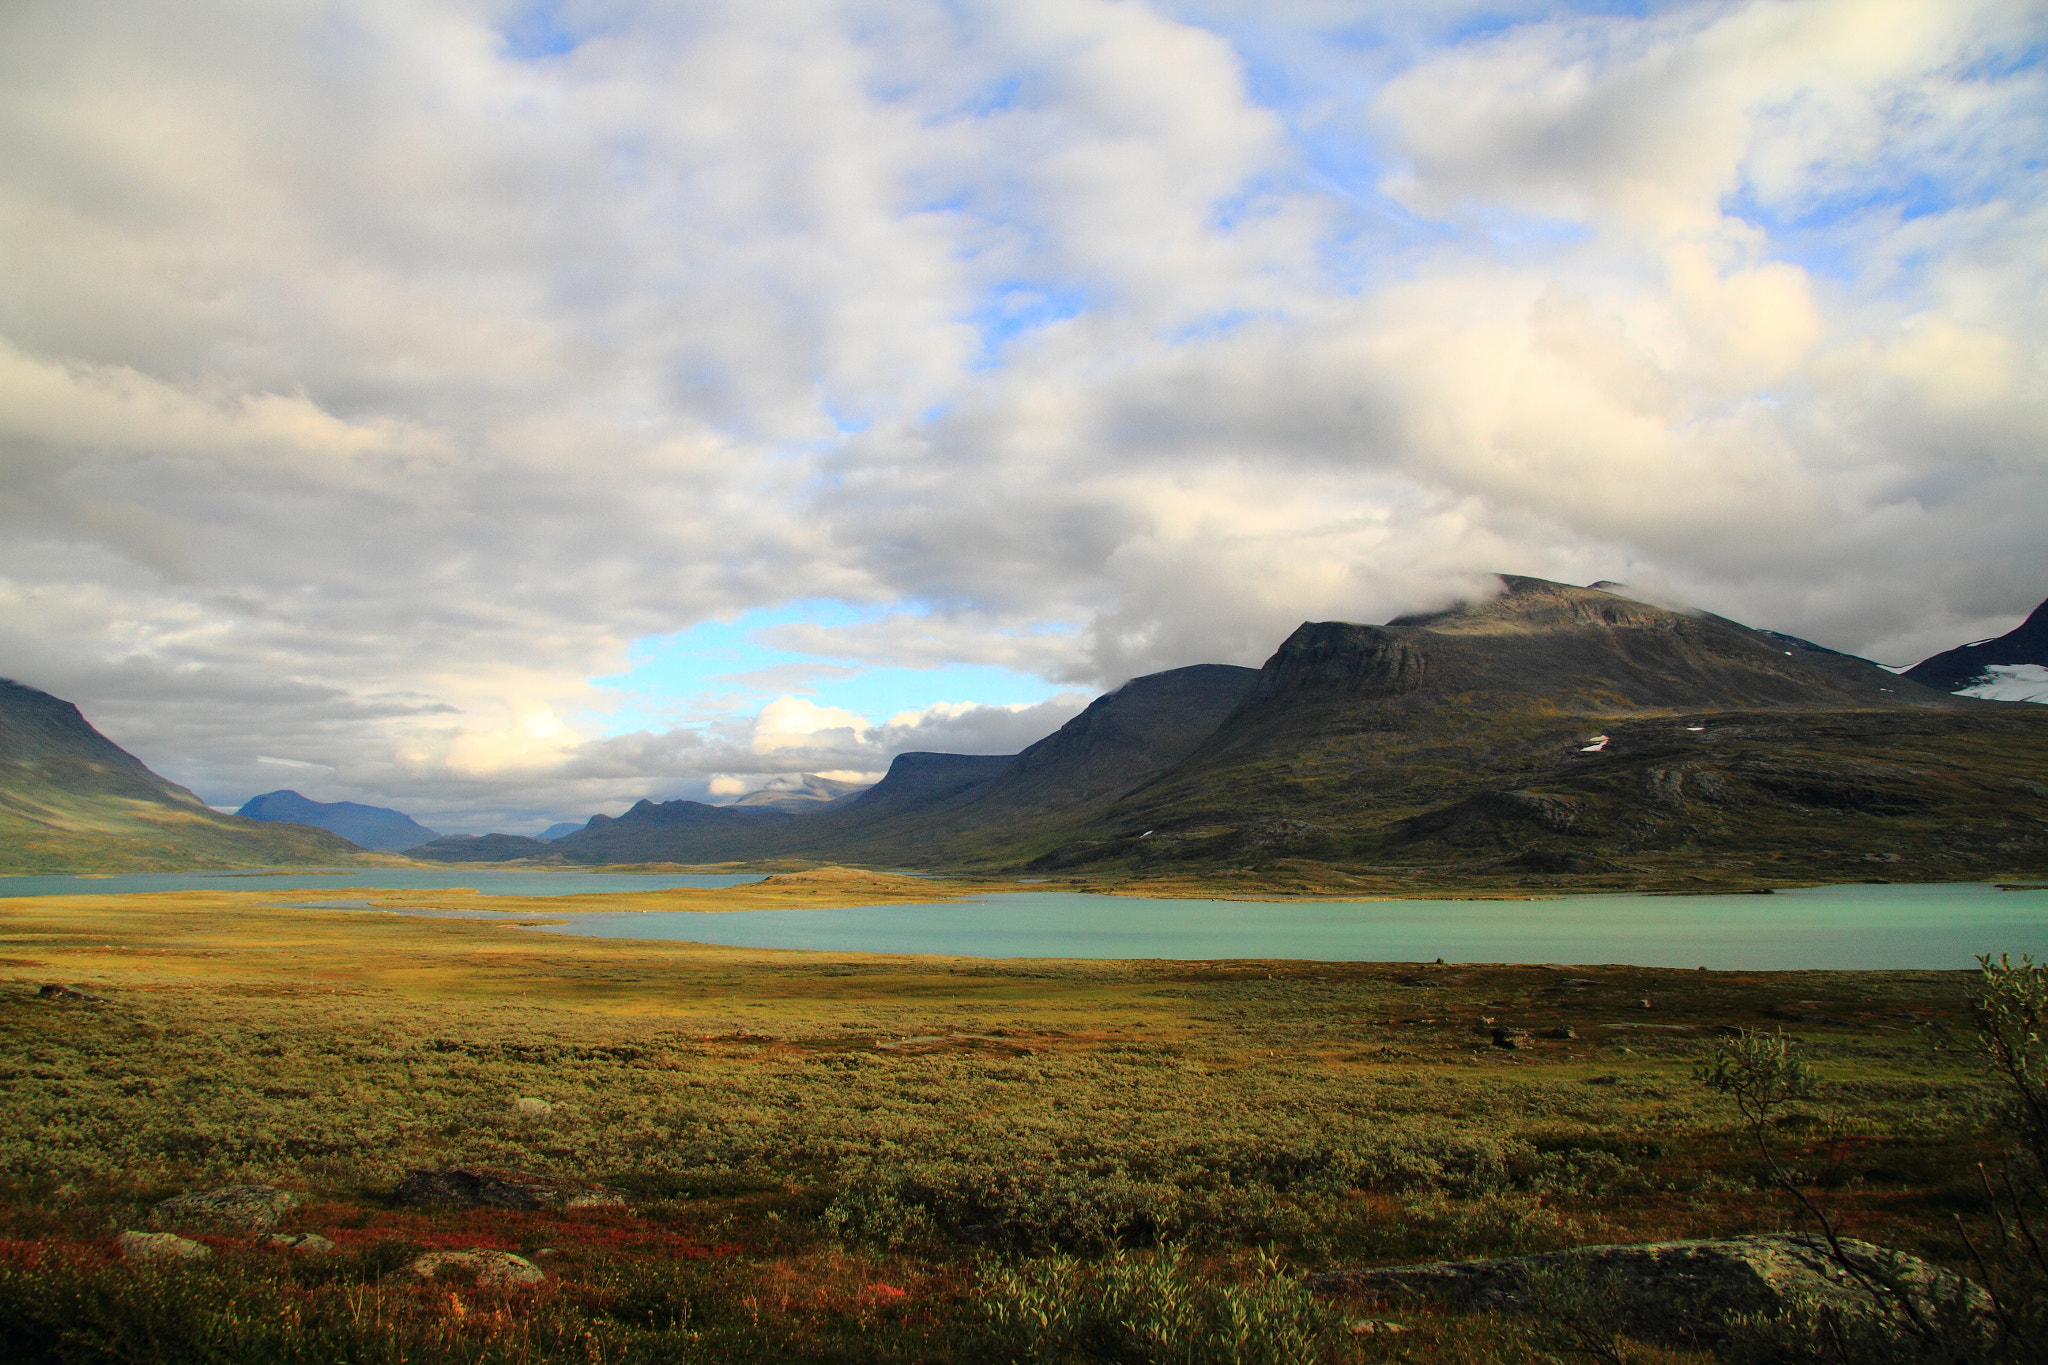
<point>557,831</point>
<point>1548,735</point>
<point>2010,667</point>
<point>71,800</point>
<point>365,826</point>
<point>671,831</point>
<point>957,809</point>
<point>480,848</point>
<point>1045,795</point>
<point>1555,728</point>
<point>802,795</point>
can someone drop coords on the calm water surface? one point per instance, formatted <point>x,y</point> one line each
<point>511,883</point>
<point>1844,927</point>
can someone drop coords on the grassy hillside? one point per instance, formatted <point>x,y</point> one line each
<point>71,800</point>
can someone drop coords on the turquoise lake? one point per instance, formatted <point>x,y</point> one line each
<point>1844,927</point>
<point>1847,927</point>
<point>514,883</point>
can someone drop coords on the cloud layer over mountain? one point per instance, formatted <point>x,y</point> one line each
<point>373,377</point>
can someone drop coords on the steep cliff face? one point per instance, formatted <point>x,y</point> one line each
<point>1340,659</point>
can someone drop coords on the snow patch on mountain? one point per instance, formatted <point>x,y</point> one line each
<point>2011,682</point>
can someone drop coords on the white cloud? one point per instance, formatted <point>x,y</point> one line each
<point>794,723</point>
<point>367,389</point>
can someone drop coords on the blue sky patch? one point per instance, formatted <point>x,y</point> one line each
<point>720,669</point>
<point>537,31</point>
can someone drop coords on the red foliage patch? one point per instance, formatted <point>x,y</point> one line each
<point>611,1230</point>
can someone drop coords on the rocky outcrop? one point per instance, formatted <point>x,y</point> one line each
<point>161,1246</point>
<point>237,1208</point>
<point>1685,1294</point>
<point>485,1266</point>
<point>469,1187</point>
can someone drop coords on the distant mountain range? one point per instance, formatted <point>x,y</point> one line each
<point>376,827</point>
<point>1551,732</point>
<point>71,800</point>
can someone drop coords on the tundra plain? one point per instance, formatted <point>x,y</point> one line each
<point>840,1157</point>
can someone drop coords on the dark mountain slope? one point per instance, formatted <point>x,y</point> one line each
<point>670,831</point>
<point>376,827</point>
<point>481,848</point>
<point>1122,739</point>
<point>71,800</point>
<point>1966,665</point>
<point>1058,786</point>
<point>1463,736</point>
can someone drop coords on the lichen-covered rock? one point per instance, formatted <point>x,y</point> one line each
<point>478,1265</point>
<point>469,1187</point>
<point>532,1107</point>
<point>239,1208</point>
<point>1685,1294</point>
<point>303,1243</point>
<point>161,1246</point>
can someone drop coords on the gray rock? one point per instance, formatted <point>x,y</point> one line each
<point>161,1246</point>
<point>240,1208</point>
<point>1685,1294</point>
<point>527,1106</point>
<point>303,1243</point>
<point>478,1265</point>
<point>469,1187</point>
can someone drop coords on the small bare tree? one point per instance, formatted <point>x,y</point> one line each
<point>1763,1074</point>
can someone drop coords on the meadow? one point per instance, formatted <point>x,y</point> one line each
<point>838,1157</point>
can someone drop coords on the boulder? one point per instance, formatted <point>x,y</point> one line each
<point>469,1187</point>
<point>53,991</point>
<point>161,1246</point>
<point>302,1243</point>
<point>1683,1294</point>
<point>238,1208</point>
<point>527,1106</point>
<point>478,1265</point>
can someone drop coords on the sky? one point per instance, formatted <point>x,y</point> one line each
<point>508,411</point>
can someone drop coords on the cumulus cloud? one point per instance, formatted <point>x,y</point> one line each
<point>370,383</point>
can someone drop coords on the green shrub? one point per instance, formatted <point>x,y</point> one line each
<point>1151,1309</point>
